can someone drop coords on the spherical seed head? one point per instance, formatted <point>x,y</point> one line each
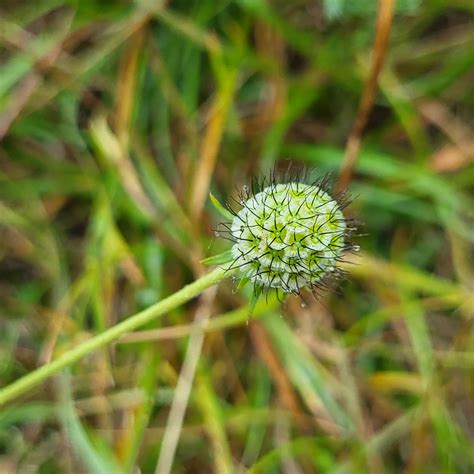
<point>288,236</point>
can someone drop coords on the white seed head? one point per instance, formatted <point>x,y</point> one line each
<point>288,236</point>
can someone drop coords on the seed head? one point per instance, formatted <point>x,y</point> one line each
<point>289,236</point>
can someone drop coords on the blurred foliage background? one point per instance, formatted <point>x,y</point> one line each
<point>117,118</point>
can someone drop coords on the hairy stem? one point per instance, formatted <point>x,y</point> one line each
<point>22,385</point>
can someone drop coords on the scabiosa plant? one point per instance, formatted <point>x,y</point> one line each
<point>289,235</point>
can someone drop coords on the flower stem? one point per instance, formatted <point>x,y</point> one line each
<point>36,377</point>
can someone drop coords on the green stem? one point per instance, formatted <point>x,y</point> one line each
<point>34,378</point>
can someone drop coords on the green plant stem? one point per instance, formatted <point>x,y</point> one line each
<point>34,378</point>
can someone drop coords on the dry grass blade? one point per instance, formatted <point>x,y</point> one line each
<point>183,387</point>
<point>382,35</point>
<point>210,145</point>
<point>264,348</point>
<point>126,86</point>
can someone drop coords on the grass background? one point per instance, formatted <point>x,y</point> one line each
<point>117,118</point>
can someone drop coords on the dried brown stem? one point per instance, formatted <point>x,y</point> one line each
<point>384,23</point>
